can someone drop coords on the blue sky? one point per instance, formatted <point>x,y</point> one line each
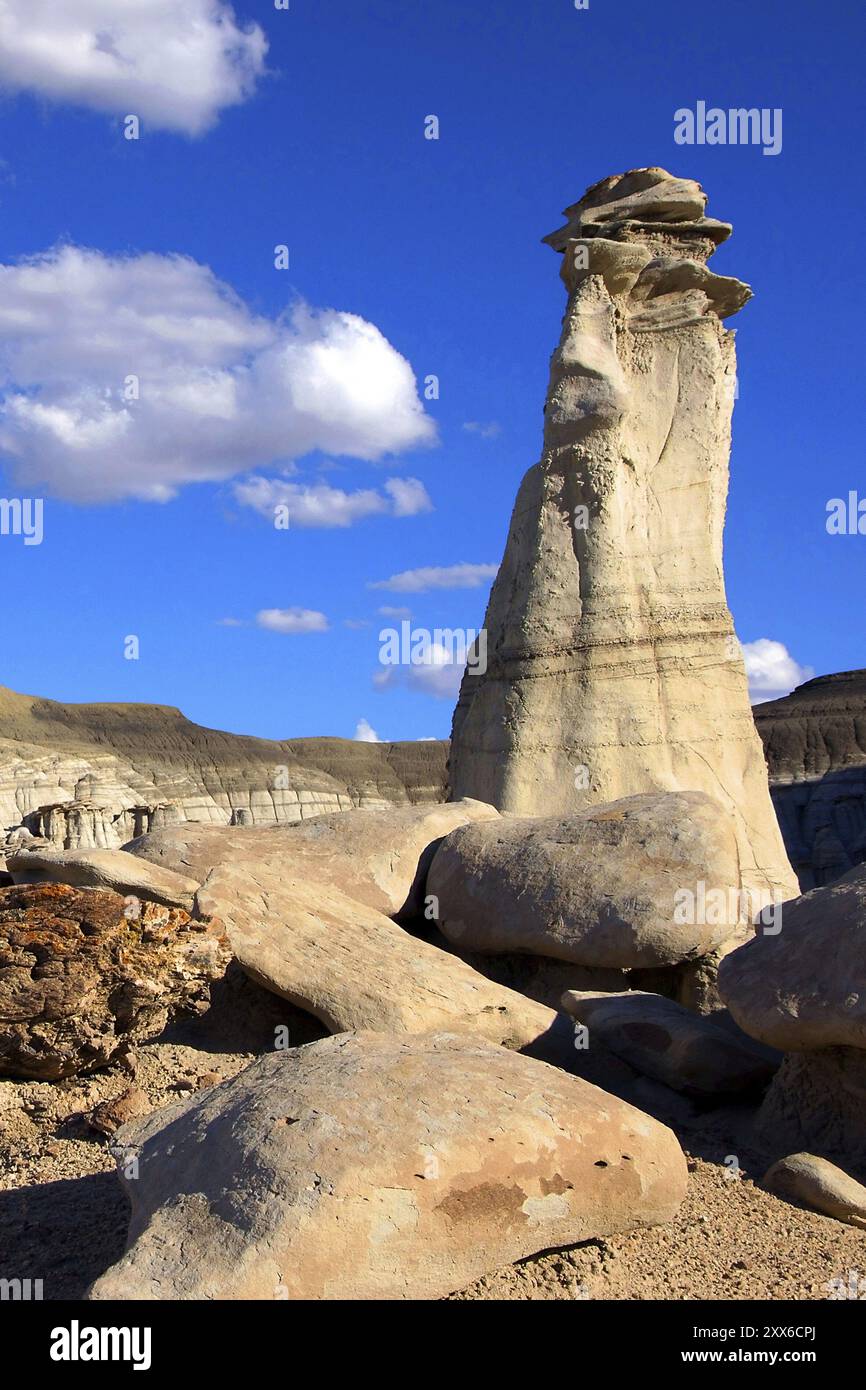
<point>319,145</point>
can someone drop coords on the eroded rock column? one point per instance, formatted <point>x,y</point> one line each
<point>612,663</point>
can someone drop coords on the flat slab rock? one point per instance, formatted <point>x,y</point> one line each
<point>804,988</point>
<point>821,1185</point>
<point>104,868</point>
<point>354,968</point>
<point>79,978</point>
<point>370,1166</point>
<point>598,887</point>
<point>378,856</point>
<point>663,1040</point>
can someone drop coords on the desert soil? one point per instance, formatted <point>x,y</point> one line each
<point>63,1214</point>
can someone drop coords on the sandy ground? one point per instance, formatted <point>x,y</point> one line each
<point>63,1214</point>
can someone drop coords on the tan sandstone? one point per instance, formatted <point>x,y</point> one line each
<point>612,664</point>
<point>354,1168</point>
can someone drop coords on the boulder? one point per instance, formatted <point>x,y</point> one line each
<point>84,973</point>
<point>666,1042</point>
<point>599,887</point>
<point>353,967</point>
<point>803,990</point>
<point>612,667</point>
<point>356,1169</point>
<point>818,1184</point>
<point>104,868</point>
<point>804,987</point>
<point>697,985</point>
<point>379,856</point>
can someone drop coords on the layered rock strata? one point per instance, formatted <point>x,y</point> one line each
<point>815,745</point>
<point>95,776</point>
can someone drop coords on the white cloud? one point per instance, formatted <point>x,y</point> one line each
<point>487,429</point>
<point>388,611</point>
<point>220,390</point>
<point>173,63</point>
<point>320,505</point>
<point>356,624</point>
<point>229,622</point>
<point>364,733</point>
<point>292,620</point>
<point>437,671</point>
<point>462,576</point>
<point>771,669</point>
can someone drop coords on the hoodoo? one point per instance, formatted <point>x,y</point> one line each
<point>612,664</point>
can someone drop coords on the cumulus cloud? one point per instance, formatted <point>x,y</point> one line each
<point>131,376</point>
<point>364,733</point>
<point>292,620</point>
<point>320,505</point>
<point>771,669</point>
<point>173,63</point>
<point>419,581</point>
<point>389,611</point>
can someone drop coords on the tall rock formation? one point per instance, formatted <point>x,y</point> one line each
<point>612,662</point>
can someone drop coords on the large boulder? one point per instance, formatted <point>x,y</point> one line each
<point>378,856</point>
<point>353,967</point>
<point>84,973</point>
<point>355,1168</point>
<point>662,1040</point>
<point>804,986</point>
<point>803,989</point>
<point>104,868</point>
<point>608,886</point>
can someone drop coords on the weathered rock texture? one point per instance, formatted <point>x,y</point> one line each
<point>598,888</point>
<point>84,972</point>
<point>803,990</point>
<point>664,1041</point>
<point>817,1101</point>
<point>612,663</point>
<point>103,868</point>
<point>356,1168</point>
<point>804,987</point>
<point>380,857</point>
<point>815,745</point>
<point>819,1184</point>
<point>351,966</point>
<point>94,776</point>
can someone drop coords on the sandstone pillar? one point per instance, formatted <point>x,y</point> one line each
<point>612,662</point>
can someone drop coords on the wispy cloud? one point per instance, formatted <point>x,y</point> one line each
<point>318,505</point>
<point>437,672</point>
<point>292,620</point>
<point>487,429</point>
<point>419,581</point>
